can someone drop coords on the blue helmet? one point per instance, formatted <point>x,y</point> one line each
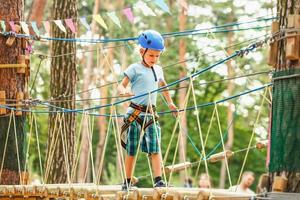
<point>151,39</point>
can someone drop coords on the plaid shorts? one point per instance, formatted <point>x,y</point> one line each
<point>150,141</point>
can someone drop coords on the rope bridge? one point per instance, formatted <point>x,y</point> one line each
<point>98,191</point>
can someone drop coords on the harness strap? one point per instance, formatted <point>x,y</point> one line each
<point>134,116</point>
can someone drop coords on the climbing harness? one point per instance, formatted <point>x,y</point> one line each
<point>134,116</point>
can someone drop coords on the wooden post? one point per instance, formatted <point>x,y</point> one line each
<point>280,184</point>
<point>10,41</point>
<point>2,102</point>
<point>293,42</point>
<point>20,97</point>
<point>272,60</point>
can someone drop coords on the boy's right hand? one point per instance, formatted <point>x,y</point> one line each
<point>125,92</point>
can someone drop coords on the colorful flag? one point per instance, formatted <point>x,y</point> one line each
<point>114,18</point>
<point>47,26</point>
<point>162,5</point>
<point>85,23</point>
<point>144,8</point>
<point>35,28</point>
<point>128,13</point>
<point>60,25</point>
<point>3,26</point>
<point>99,19</point>
<point>12,26</point>
<point>71,25</point>
<point>25,27</point>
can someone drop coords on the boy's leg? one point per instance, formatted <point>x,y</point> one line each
<point>129,160</point>
<point>156,166</point>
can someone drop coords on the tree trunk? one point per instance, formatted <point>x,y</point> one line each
<point>182,95</point>
<point>85,151</point>
<point>11,82</point>
<point>37,11</point>
<point>230,88</point>
<point>284,153</point>
<point>60,155</point>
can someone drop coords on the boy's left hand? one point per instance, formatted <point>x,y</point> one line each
<point>173,108</point>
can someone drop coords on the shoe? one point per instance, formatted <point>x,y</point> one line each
<point>126,186</point>
<point>160,183</point>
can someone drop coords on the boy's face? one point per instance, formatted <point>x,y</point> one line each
<point>151,56</point>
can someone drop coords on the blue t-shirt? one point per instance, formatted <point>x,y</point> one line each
<point>142,81</point>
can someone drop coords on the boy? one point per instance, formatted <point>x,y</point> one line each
<point>144,77</point>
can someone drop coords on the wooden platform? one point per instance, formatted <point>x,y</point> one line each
<point>109,192</point>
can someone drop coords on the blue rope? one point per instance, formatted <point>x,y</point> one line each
<point>159,113</point>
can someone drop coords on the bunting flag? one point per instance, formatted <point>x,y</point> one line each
<point>64,24</point>
<point>128,13</point>
<point>85,23</point>
<point>12,26</point>
<point>99,19</point>
<point>162,5</point>
<point>71,25</point>
<point>114,18</point>
<point>35,28</point>
<point>3,26</point>
<point>60,25</point>
<point>25,28</point>
<point>144,8</point>
<point>47,26</point>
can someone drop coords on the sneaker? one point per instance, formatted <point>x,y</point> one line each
<point>126,186</point>
<point>160,183</point>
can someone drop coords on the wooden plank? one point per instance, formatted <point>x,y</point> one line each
<point>279,184</point>
<point>10,41</point>
<point>20,97</point>
<point>273,52</point>
<point>293,42</point>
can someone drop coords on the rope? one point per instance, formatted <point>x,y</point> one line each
<point>103,152</point>
<point>5,146</point>
<point>17,147</point>
<point>50,153</point>
<point>191,59</point>
<point>28,145</point>
<point>199,128</point>
<point>90,138</point>
<point>79,147</point>
<point>118,145</point>
<point>252,135</point>
<point>35,76</point>
<point>180,131</point>
<point>207,134</point>
<point>38,146</point>
<point>64,145</point>
<point>223,145</point>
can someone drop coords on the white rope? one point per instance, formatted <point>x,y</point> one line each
<point>223,145</point>
<point>199,129</point>
<point>5,145</point>
<point>38,147</point>
<point>17,148</point>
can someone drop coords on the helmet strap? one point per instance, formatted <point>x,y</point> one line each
<point>143,56</point>
<point>144,62</point>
